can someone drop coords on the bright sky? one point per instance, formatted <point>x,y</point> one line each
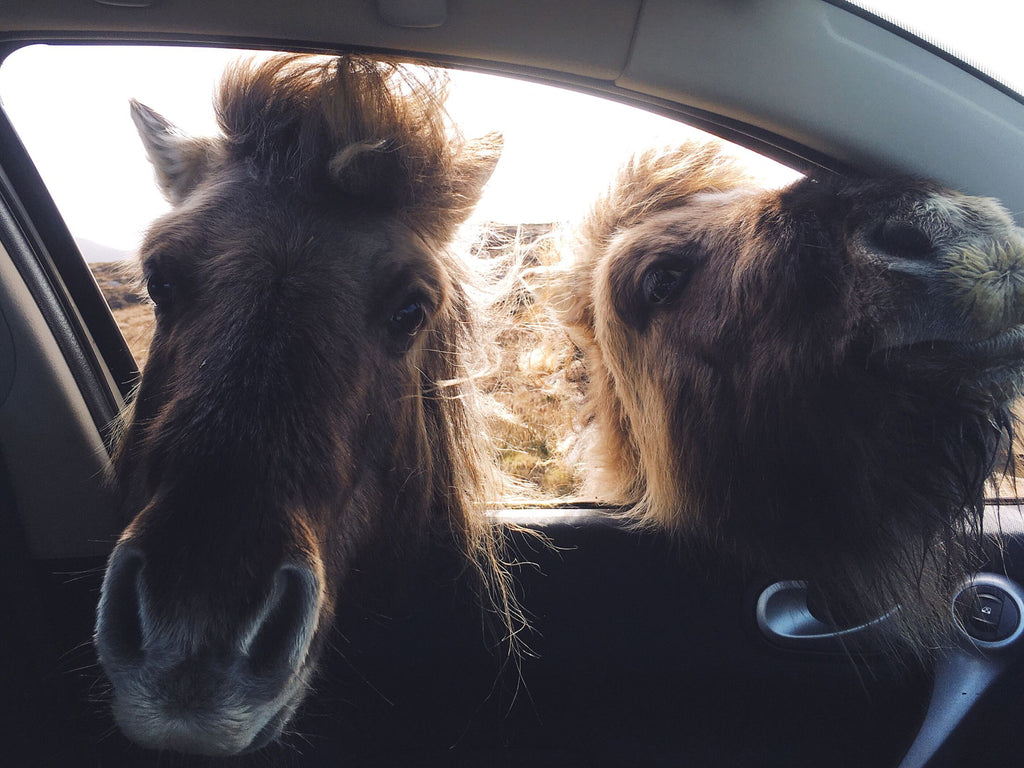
<point>69,104</point>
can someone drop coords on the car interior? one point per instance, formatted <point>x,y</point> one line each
<point>640,652</point>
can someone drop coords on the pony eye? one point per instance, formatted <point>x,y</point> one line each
<point>408,319</point>
<point>661,284</point>
<point>161,291</point>
<point>902,239</point>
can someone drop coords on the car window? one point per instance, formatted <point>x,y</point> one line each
<point>561,148</point>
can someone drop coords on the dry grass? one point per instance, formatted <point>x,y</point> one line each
<point>535,378</point>
<point>133,313</point>
<point>136,323</point>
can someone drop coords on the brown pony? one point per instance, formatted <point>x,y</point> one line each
<point>306,410</point>
<point>815,380</point>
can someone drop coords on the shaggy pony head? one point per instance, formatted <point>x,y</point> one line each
<point>815,379</point>
<point>306,412</point>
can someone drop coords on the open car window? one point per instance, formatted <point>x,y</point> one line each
<point>828,531</point>
<point>561,149</point>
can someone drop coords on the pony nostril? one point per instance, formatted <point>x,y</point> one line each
<point>280,636</point>
<point>902,239</point>
<point>119,615</point>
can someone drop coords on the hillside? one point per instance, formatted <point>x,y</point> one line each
<point>98,253</point>
<point>134,315</point>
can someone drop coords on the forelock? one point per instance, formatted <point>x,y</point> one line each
<point>347,120</point>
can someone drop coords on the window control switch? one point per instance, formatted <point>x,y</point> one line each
<point>986,609</point>
<point>987,613</point>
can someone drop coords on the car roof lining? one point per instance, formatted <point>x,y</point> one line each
<point>836,83</point>
<point>589,41</point>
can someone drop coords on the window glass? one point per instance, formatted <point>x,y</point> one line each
<point>69,105</point>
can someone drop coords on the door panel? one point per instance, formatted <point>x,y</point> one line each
<point>641,654</point>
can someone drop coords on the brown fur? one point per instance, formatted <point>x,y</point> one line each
<point>811,379</point>
<point>293,425</point>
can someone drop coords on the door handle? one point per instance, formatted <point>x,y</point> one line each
<point>784,619</point>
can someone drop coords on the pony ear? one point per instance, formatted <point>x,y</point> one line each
<point>472,170</point>
<point>441,210</point>
<point>180,161</point>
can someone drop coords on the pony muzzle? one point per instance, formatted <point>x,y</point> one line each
<point>279,636</point>
<point>988,278</point>
<point>173,689</point>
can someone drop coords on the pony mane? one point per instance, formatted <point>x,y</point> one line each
<point>659,179</point>
<point>373,130</point>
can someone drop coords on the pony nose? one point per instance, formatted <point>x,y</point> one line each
<point>279,637</point>
<point>182,675</point>
<point>119,616</point>
<point>274,641</point>
<point>989,277</point>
